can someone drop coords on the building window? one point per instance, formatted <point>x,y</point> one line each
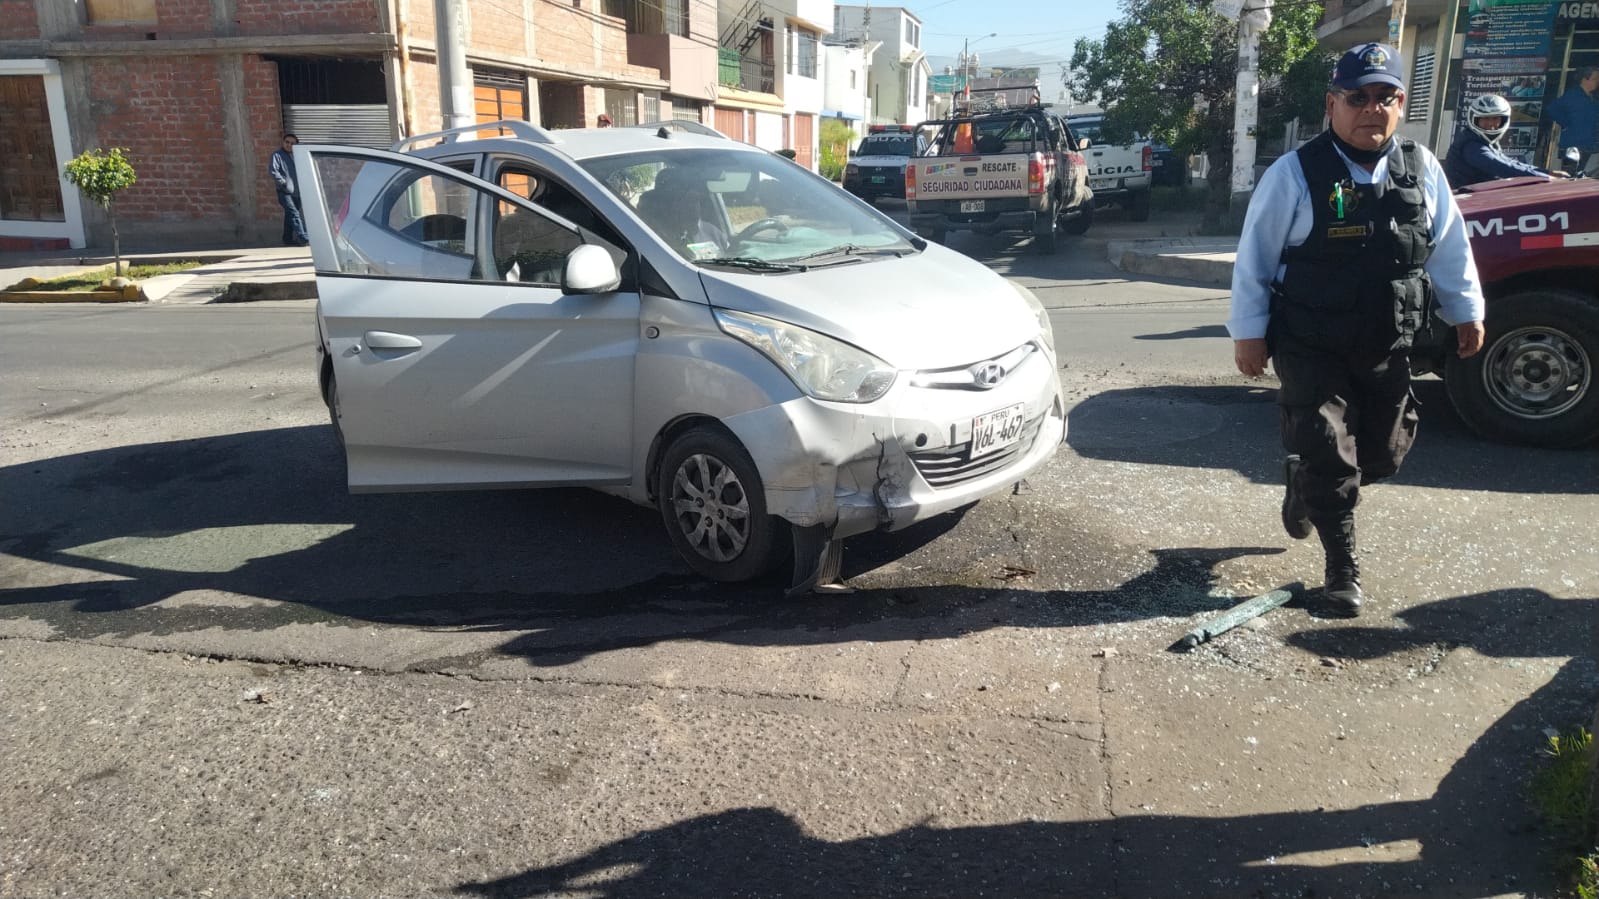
<point>651,107</point>
<point>622,107</point>
<point>122,12</point>
<point>806,53</point>
<point>852,79</point>
<point>1418,105</point>
<point>913,34</point>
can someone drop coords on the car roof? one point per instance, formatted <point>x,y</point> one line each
<point>591,143</point>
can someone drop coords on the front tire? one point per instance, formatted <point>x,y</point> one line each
<point>1533,383</point>
<point>714,507</point>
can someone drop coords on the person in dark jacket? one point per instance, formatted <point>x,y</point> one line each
<point>288,188</point>
<point>1476,157</point>
<point>1346,242</point>
<point>1577,113</point>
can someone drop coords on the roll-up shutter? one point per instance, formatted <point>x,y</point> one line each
<point>359,125</point>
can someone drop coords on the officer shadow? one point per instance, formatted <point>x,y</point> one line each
<point>1235,427</point>
<point>1471,837</point>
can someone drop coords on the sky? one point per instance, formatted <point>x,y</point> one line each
<point>1026,32</point>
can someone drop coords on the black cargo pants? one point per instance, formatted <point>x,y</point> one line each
<point>1350,417</point>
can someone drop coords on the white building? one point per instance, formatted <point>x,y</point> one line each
<point>771,65</point>
<point>847,70</point>
<point>897,88</point>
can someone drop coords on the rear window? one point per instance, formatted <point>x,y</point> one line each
<point>887,146</point>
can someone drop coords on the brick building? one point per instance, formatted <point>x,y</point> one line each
<point>199,92</point>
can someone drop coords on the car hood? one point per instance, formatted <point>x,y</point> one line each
<point>1489,197</point>
<point>929,310</point>
<point>880,160</point>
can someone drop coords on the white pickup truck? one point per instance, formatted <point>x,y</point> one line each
<point>1008,170</point>
<point>1120,174</point>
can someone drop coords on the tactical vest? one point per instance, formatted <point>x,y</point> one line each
<point>1356,284</point>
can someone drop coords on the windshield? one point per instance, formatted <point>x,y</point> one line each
<point>887,146</point>
<point>1088,129</point>
<point>743,207</point>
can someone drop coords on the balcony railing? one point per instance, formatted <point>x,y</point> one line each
<point>745,73</point>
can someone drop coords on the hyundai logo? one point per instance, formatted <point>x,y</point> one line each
<point>988,375</point>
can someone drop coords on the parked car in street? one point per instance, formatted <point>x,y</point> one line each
<point>1119,174</point>
<point>877,167</point>
<point>1536,243</point>
<point>1001,170</point>
<point>683,320</point>
<point>1167,167</point>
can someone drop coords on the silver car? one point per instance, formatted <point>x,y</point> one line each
<point>672,316</point>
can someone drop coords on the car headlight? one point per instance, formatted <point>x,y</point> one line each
<point>823,367</point>
<point>852,169</point>
<point>1045,330</point>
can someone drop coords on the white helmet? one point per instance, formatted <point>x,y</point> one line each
<point>1488,106</point>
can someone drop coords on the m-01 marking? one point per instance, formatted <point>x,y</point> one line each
<point>1532,223</point>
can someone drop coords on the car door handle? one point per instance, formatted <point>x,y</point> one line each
<point>384,340</point>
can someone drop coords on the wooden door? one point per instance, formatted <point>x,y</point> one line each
<point>30,183</point>
<point>805,140</point>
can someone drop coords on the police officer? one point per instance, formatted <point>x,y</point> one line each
<point>1345,244</point>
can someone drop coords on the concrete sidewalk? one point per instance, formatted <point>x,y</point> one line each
<point>285,273</point>
<point>228,275</point>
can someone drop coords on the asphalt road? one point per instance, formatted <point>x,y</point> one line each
<point>220,674</point>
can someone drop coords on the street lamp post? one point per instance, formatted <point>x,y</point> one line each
<point>966,62</point>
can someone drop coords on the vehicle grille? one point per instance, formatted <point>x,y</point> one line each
<point>949,466</point>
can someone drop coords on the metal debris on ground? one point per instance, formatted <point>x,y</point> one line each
<point>1226,621</point>
<point>1011,572</point>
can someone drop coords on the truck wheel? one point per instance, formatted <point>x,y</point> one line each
<point>1533,382</point>
<point>1046,237</point>
<point>1138,206</point>
<point>1078,224</point>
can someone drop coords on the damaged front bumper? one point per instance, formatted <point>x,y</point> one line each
<point>840,469</point>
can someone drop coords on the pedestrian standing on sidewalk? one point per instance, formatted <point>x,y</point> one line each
<point>1577,113</point>
<point>1345,245</point>
<point>288,188</point>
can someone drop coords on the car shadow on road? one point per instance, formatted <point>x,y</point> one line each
<point>1235,427</point>
<point>1472,837</point>
<point>566,574</point>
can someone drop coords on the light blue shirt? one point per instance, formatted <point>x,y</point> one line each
<point>1280,216</point>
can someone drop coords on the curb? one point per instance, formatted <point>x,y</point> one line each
<point>1204,268</point>
<point>252,291</point>
<point>133,293</point>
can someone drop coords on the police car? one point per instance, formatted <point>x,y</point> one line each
<point>1536,381</point>
<point>877,168</point>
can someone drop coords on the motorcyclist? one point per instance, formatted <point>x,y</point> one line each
<point>1476,156</point>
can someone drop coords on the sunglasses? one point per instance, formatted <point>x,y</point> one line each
<point>1361,99</point>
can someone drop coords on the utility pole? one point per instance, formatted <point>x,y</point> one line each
<point>1396,24</point>
<point>1252,21</point>
<point>451,27</point>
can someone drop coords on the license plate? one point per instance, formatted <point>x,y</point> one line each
<point>996,430</point>
<point>1157,163</point>
<point>877,179</point>
<point>1102,183</point>
<point>972,205</point>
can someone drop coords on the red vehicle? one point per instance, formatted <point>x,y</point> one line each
<point>1537,249</point>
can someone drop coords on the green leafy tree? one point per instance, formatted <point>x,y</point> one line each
<point>1168,68</point>
<point>101,174</point>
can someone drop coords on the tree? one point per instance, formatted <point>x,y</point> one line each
<point>1168,67</point>
<point>100,174</point>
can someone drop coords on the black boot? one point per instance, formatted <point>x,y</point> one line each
<point>1341,592</point>
<point>1296,517</point>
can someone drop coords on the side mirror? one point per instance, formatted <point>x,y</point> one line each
<point>853,151</point>
<point>1573,154</point>
<point>1084,143</point>
<point>589,269</point>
